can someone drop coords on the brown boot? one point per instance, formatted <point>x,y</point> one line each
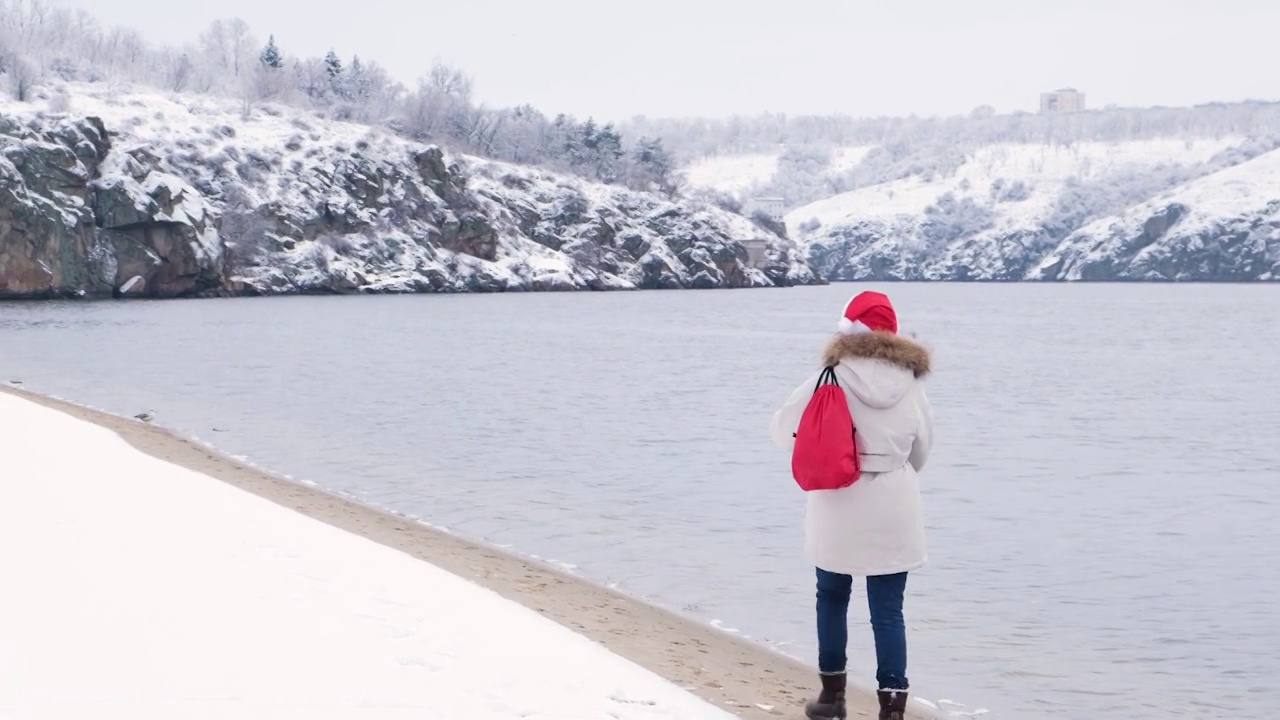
<point>830,702</point>
<point>893,704</point>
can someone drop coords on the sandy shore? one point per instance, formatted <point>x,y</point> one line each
<point>745,678</point>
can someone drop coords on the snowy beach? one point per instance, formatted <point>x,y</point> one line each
<point>145,588</point>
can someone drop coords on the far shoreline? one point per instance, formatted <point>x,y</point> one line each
<point>86,298</point>
<point>1201,282</point>
<point>743,677</point>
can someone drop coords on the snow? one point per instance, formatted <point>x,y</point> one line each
<point>1249,185</point>
<point>138,589</point>
<point>732,173</point>
<point>845,159</point>
<point>739,174</point>
<point>1044,169</point>
<point>131,284</point>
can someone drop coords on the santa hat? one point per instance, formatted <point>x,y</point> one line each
<point>867,312</point>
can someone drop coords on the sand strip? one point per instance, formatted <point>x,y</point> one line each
<point>740,676</point>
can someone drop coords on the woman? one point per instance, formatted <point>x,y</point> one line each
<point>872,528</point>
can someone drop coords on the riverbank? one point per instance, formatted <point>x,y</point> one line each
<point>729,672</point>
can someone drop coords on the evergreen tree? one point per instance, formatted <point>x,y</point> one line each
<point>356,87</point>
<point>333,65</point>
<point>562,141</point>
<point>607,154</point>
<point>651,166</point>
<point>270,56</point>
<point>580,145</point>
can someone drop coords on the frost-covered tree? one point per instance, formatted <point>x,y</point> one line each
<point>650,168</point>
<point>178,71</point>
<point>270,56</point>
<point>23,27</point>
<point>266,83</point>
<point>8,44</point>
<point>949,219</point>
<point>356,85</point>
<point>563,143</point>
<point>127,52</point>
<point>22,76</point>
<point>333,65</point>
<point>377,93</point>
<point>450,81</point>
<point>361,91</point>
<point>523,136</point>
<point>605,153</point>
<point>241,43</point>
<point>216,45</point>
<point>801,174</point>
<point>268,80</point>
<point>440,106</point>
<point>312,79</point>
<point>229,48</point>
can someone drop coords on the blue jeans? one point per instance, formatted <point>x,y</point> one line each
<point>884,599</point>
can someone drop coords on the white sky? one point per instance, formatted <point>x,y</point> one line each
<point>616,58</point>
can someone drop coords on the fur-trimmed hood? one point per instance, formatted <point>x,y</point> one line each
<point>888,347</point>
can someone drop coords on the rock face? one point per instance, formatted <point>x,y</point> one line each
<point>77,220</point>
<point>49,245</point>
<point>1163,241</point>
<point>176,204</point>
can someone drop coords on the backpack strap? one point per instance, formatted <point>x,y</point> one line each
<point>828,377</point>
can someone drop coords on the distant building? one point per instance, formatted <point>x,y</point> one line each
<point>771,207</point>
<point>1064,100</point>
<point>768,214</point>
<point>757,251</point>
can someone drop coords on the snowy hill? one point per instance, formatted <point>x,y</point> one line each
<point>1149,209</point>
<point>148,194</point>
<point>732,173</point>
<point>747,174</point>
<point>1225,226</point>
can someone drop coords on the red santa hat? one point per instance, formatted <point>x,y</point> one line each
<point>868,312</point>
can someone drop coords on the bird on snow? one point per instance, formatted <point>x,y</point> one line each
<point>146,416</point>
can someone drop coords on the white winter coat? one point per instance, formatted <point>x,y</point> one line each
<point>874,526</point>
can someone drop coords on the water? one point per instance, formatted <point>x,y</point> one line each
<point>1101,504</point>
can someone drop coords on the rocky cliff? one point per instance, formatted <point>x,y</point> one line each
<point>159,197</point>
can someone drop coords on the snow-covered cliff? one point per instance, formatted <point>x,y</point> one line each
<point>1154,209</point>
<point>1224,226</point>
<point>143,194</point>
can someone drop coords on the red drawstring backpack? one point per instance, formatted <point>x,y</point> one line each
<point>825,456</point>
